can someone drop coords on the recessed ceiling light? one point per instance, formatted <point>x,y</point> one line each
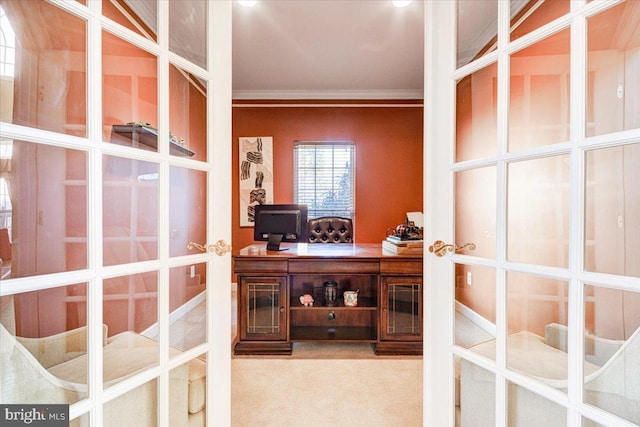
<point>401,3</point>
<point>248,3</point>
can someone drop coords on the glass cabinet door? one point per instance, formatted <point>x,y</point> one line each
<point>401,301</point>
<point>264,311</point>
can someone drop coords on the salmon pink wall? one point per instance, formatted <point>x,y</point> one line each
<point>388,157</point>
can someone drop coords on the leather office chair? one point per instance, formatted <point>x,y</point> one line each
<point>330,229</point>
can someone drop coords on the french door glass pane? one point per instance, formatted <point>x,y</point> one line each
<point>187,394</point>
<point>117,412</point>
<point>537,319</point>
<point>476,37</point>
<point>53,201</point>
<point>130,210</point>
<point>46,86</point>
<point>612,210</point>
<point>477,396</point>
<point>130,302</point>
<point>535,14</point>
<point>187,209</point>
<point>528,409</point>
<point>43,345</point>
<point>188,30</point>
<point>586,422</point>
<point>130,312</point>
<point>538,211</point>
<point>187,114</point>
<point>476,210</point>
<point>129,94</point>
<point>611,344</point>
<point>613,65</point>
<point>187,309</point>
<point>476,103</point>
<point>139,17</point>
<point>539,94</point>
<point>475,316</point>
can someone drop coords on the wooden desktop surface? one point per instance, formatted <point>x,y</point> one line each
<point>321,250</point>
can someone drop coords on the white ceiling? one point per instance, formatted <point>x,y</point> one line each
<point>325,49</point>
<point>328,49</point>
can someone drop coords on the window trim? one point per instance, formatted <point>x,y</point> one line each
<point>313,213</point>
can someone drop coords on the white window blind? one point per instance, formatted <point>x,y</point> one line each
<point>324,177</point>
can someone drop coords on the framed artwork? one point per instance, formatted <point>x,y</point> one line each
<point>256,176</point>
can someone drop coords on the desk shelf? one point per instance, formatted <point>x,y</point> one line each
<point>363,304</point>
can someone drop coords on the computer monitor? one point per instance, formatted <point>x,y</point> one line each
<point>280,223</point>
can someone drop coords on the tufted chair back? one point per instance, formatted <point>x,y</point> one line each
<point>330,229</point>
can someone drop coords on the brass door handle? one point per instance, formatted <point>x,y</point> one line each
<point>219,248</point>
<point>440,248</point>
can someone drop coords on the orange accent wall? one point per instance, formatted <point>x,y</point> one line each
<point>388,157</point>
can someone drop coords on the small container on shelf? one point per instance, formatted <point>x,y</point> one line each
<point>330,293</point>
<point>350,298</point>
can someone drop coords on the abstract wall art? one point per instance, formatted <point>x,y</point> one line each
<point>256,176</point>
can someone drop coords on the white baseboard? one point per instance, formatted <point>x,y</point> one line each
<point>477,319</point>
<point>178,313</point>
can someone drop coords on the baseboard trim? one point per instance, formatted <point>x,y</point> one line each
<point>476,319</point>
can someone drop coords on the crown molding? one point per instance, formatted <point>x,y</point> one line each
<point>327,95</point>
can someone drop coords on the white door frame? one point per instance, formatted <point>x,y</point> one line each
<point>218,169</point>
<point>219,221</point>
<point>439,162</point>
<point>439,121</point>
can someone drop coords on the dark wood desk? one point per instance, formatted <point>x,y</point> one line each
<point>271,316</point>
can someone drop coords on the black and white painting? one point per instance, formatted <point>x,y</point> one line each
<point>256,176</point>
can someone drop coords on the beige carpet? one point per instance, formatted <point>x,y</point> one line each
<point>325,385</point>
<point>326,392</point>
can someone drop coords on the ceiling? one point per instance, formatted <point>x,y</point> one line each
<point>324,49</point>
<point>328,49</point>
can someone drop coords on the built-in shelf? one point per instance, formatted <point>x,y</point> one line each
<point>363,304</point>
<point>139,134</point>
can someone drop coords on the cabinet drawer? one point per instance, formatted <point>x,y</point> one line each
<point>339,317</point>
<point>261,266</point>
<point>321,266</point>
<point>401,266</point>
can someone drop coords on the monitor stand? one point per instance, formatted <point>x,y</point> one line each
<point>273,244</point>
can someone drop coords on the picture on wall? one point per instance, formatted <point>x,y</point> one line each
<point>256,176</point>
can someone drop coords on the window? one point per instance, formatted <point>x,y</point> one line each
<point>7,62</point>
<point>7,46</point>
<point>324,177</point>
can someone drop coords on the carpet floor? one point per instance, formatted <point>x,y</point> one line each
<point>298,391</point>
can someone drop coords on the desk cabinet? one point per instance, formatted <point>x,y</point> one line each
<point>400,315</point>
<point>270,315</point>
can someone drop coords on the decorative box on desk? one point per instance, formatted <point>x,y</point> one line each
<point>136,134</point>
<point>270,315</point>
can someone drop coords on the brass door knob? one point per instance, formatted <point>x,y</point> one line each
<point>219,248</point>
<point>440,248</point>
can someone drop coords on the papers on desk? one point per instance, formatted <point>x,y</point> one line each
<point>397,246</point>
<point>416,217</point>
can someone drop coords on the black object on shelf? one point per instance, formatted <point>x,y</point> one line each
<point>146,136</point>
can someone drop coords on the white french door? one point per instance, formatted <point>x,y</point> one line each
<point>115,286</point>
<point>532,147</point>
